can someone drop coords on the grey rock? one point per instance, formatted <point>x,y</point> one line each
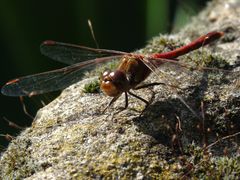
<point>71,138</point>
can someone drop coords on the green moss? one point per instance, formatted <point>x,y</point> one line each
<point>132,162</point>
<point>203,58</point>
<point>92,87</point>
<point>161,44</point>
<point>17,163</point>
<point>227,167</point>
<point>218,168</point>
<point>199,164</point>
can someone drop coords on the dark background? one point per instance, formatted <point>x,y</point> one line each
<point>120,25</point>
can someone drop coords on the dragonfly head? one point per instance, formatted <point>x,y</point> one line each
<point>114,83</point>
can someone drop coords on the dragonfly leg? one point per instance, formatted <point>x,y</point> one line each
<point>148,85</point>
<point>145,101</point>
<point>114,99</point>
<point>126,100</point>
<point>138,97</point>
<point>110,103</point>
<point>126,104</point>
<point>154,84</point>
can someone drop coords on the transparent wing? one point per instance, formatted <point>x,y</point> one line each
<point>177,75</point>
<point>51,80</point>
<point>72,54</point>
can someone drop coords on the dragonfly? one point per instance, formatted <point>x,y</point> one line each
<point>132,70</point>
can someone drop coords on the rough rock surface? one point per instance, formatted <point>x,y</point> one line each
<point>71,138</point>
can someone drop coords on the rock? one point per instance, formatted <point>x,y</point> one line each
<point>71,137</point>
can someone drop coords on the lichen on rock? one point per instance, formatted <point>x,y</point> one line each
<point>71,137</point>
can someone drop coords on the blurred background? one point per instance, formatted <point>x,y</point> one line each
<point>120,25</point>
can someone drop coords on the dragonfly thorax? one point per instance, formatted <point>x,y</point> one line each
<point>114,83</point>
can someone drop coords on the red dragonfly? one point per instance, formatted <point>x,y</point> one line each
<point>132,70</point>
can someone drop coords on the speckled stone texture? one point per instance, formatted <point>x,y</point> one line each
<point>71,138</point>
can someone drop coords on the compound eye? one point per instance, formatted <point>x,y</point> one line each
<point>106,76</point>
<point>106,73</point>
<point>112,74</point>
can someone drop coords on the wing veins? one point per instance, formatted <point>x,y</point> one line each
<point>40,83</point>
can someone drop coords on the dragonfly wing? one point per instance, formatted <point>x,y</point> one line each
<point>51,80</point>
<point>170,72</point>
<point>178,76</point>
<point>72,54</point>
